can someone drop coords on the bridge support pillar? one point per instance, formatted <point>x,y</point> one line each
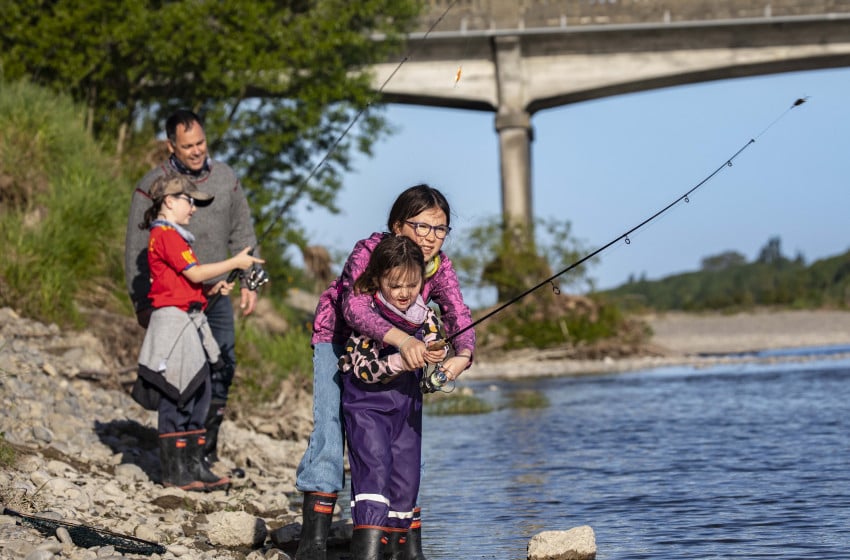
<point>513,124</point>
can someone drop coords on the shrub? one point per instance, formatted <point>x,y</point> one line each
<point>448,404</point>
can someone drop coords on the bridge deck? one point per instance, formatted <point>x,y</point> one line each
<point>482,15</point>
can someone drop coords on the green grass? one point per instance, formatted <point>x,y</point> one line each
<point>526,399</point>
<point>7,453</point>
<point>63,217</point>
<point>265,360</point>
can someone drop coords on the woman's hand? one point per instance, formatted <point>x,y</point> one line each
<point>412,352</point>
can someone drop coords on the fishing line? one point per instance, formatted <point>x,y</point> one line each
<point>302,185</point>
<point>625,236</point>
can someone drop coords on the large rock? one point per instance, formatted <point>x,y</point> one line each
<point>236,528</point>
<point>579,543</point>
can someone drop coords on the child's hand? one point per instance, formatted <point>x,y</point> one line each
<point>454,366</point>
<point>436,351</point>
<point>222,287</point>
<point>244,260</point>
<point>436,356</point>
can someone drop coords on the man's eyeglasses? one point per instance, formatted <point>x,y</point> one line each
<point>423,230</point>
<point>187,198</point>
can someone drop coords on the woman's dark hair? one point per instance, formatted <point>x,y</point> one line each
<point>391,252</point>
<point>416,200</point>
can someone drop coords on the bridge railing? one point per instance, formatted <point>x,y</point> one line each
<point>483,15</point>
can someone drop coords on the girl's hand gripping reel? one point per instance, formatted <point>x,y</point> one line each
<point>433,377</point>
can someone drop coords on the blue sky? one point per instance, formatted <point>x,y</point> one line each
<point>606,165</point>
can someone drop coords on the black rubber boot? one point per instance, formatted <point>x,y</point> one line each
<point>317,514</point>
<point>368,544</point>
<point>394,549</point>
<point>197,443</point>
<point>413,545</point>
<point>176,462</point>
<point>215,416</point>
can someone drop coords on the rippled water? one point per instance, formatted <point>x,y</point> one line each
<point>735,462</point>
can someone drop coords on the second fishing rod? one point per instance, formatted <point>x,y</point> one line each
<point>625,236</point>
<point>256,276</point>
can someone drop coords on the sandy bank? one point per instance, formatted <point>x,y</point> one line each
<point>683,338</point>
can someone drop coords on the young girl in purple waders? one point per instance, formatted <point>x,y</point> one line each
<point>422,214</point>
<point>382,402</point>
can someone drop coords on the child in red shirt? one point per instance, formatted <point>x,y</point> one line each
<point>179,349</point>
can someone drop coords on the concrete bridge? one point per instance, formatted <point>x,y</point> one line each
<point>517,57</point>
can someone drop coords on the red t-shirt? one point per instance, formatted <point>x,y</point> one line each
<point>168,256</point>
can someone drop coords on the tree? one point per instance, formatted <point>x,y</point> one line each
<point>771,253</point>
<point>724,260</point>
<point>491,258</point>
<point>279,82</point>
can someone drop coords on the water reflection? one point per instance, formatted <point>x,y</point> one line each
<point>724,462</point>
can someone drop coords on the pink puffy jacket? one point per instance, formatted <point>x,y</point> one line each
<point>442,288</point>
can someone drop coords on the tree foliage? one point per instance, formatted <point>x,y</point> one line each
<point>772,279</point>
<point>279,83</point>
<point>491,257</point>
<point>505,257</point>
<point>724,260</point>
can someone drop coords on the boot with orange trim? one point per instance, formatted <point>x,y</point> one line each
<point>198,444</point>
<point>413,545</point>
<point>317,513</point>
<point>367,543</point>
<point>177,463</point>
<point>395,548</point>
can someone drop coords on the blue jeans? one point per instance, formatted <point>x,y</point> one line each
<point>220,318</point>
<point>321,469</point>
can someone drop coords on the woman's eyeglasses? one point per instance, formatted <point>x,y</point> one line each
<point>423,230</point>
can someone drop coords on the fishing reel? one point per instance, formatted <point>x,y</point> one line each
<point>434,379</point>
<point>255,277</point>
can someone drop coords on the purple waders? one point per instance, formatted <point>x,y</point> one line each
<point>383,423</point>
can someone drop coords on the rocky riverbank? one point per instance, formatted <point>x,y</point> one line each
<point>87,454</point>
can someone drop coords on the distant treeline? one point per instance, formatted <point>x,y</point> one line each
<point>727,282</point>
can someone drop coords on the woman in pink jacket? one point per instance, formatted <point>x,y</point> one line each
<point>421,213</point>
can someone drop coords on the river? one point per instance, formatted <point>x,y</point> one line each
<point>743,461</point>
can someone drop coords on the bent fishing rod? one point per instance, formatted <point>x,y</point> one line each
<point>625,235</point>
<point>257,277</point>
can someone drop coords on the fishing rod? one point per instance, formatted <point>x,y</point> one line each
<point>256,277</point>
<point>625,235</point>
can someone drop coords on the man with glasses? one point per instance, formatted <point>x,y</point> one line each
<point>222,230</point>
